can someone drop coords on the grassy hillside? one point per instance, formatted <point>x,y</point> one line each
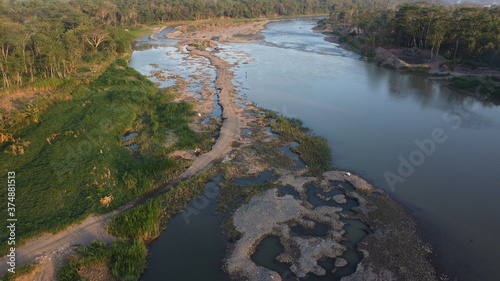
<point>72,162</point>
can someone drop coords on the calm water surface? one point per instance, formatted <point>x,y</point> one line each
<point>192,246</point>
<point>373,118</point>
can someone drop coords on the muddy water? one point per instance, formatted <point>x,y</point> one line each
<point>377,121</point>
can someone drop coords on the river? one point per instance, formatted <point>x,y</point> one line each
<point>433,149</point>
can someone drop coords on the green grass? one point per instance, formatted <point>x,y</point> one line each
<point>416,69</point>
<point>202,45</point>
<point>23,270</point>
<point>69,271</point>
<point>73,157</point>
<point>233,195</point>
<point>42,85</point>
<point>126,260</point>
<point>146,221</point>
<point>52,90</point>
<point>142,222</point>
<point>49,84</point>
<point>434,74</point>
<point>313,150</point>
<point>336,32</point>
<point>486,86</point>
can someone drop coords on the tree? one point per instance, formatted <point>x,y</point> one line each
<point>437,29</point>
<point>11,45</point>
<point>75,49</point>
<point>95,37</point>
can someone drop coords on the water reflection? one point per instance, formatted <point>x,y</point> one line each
<point>190,249</point>
<point>371,115</point>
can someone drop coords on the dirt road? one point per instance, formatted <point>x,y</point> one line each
<point>50,249</point>
<point>232,121</point>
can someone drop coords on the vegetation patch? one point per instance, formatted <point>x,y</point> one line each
<point>21,271</point>
<point>125,260</point>
<point>416,69</point>
<point>203,44</point>
<point>146,222</point>
<point>313,150</point>
<point>71,162</point>
<point>485,86</point>
<point>142,222</point>
<point>233,195</point>
<point>212,25</point>
<point>336,32</point>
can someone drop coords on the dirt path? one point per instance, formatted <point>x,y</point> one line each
<point>50,249</point>
<point>232,121</point>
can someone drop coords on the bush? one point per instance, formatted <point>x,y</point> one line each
<point>126,259</point>
<point>336,32</point>
<point>417,69</point>
<point>69,272</point>
<point>488,86</point>
<point>146,221</point>
<point>313,150</point>
<point>142,222</point>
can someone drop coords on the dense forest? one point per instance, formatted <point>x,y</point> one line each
<point>51,40</point>
<point>459,33</point>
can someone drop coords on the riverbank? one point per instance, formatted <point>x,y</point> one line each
<point>264,155</point>
<point>230,31</point>
<point>103,156</point>
<point>54,248</point>
<point>383,223</point>
<point>480,82</point>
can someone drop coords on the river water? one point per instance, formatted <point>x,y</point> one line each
<point>433,149</point>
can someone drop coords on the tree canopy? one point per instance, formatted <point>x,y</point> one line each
<point>457,32</point>
<point>42,39</point>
